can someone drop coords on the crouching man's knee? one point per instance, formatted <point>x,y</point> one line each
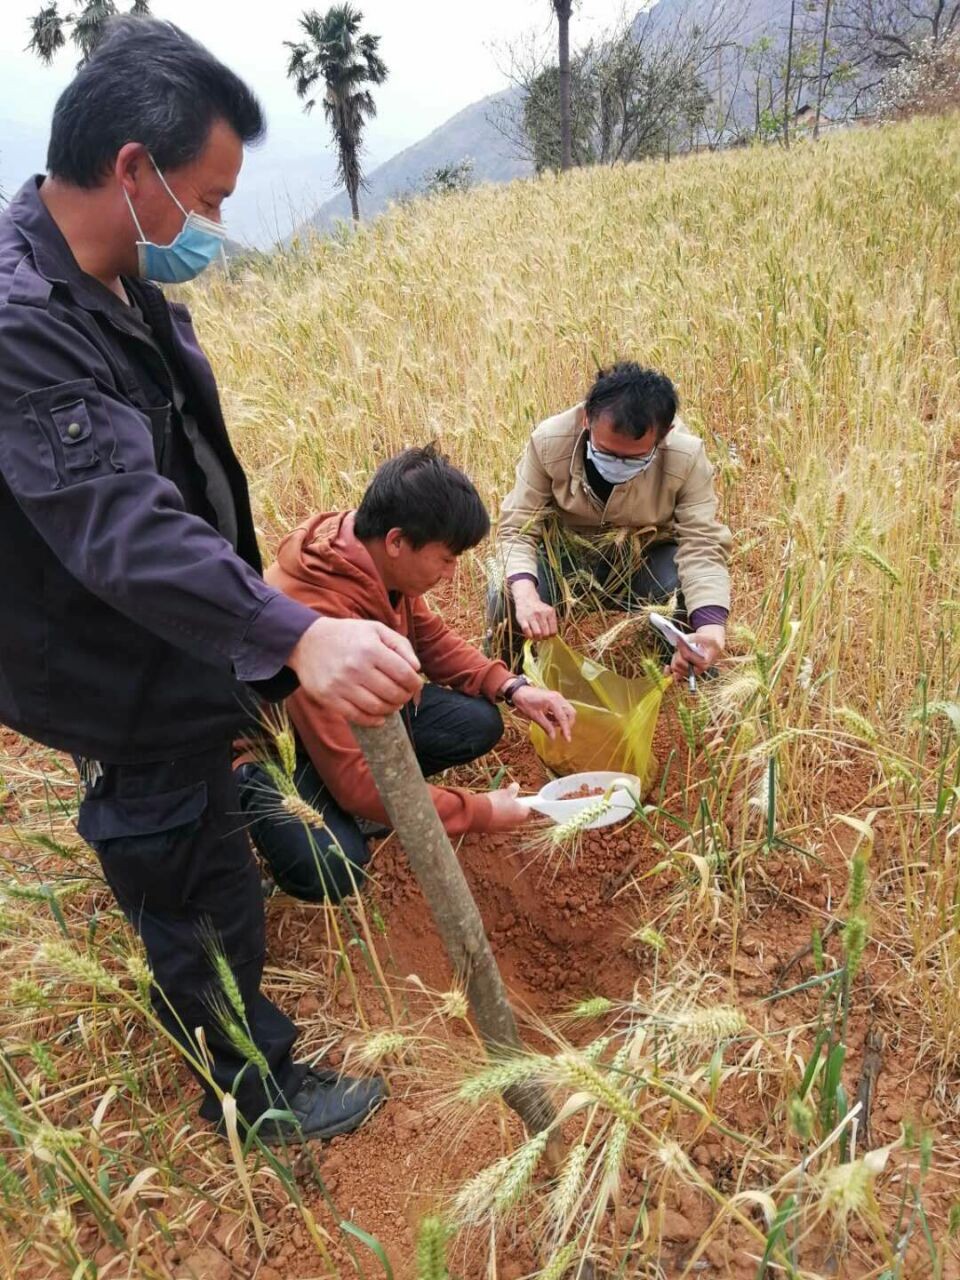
<point>487,727</point>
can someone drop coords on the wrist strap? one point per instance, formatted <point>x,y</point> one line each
<point>517,683</point>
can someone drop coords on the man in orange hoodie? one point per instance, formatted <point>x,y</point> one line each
<point>418,515</point>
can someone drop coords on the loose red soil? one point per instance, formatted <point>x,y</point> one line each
<point>582,792</point>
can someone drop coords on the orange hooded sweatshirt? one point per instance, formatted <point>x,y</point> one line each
<point>324,565</point>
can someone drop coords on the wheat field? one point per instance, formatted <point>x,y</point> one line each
<point>807,305</point>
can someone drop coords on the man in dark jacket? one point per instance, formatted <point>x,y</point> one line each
<point>135,619</point>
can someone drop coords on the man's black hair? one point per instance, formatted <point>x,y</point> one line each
<point>635,398</point>
<point>149,82</point>
<point>425,495</point>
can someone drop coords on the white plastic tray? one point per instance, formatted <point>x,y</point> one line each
<point>549,799</point>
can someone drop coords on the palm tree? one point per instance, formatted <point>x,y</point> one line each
<point>347,61</point>
<point>48,27</point>
<point>563,10</point>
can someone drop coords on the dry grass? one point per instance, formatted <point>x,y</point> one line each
<point>808,307</point>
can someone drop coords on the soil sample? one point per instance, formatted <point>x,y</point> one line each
<point>583,792</point>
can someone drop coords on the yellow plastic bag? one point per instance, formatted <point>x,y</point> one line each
<point>616,717</point>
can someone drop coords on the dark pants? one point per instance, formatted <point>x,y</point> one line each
<point>604,584</point>
<point>172,848</point>
<point>326,863</point>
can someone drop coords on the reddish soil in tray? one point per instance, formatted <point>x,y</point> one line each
<point>582,792</point>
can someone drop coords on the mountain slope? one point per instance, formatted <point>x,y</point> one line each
<point>468,133</point>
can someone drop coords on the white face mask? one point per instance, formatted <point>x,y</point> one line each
<point>619,470</point>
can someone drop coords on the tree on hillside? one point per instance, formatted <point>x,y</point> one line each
<point>563,9</point>
<point>49,27</point>
<point>821,81</point>
<point>347,61</point>
<point>538,125</point>
<point>448,178</point>
<point>887,32</point>
<point>639,91</point>
<point>927,83</point>
<point>788,77</point>
<point>878,37</point>
<point>787,106</point>
<point>717,125</point>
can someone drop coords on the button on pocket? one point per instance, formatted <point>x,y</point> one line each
<point>76,434</point>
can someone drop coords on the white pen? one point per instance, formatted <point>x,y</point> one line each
<point>676,637</point>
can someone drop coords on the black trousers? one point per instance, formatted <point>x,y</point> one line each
<point>326,863</point>
<point>654,582</point>
<point>170,839</point>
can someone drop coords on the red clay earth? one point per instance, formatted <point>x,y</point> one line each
<point>561,933</point>
<point>582,792</point>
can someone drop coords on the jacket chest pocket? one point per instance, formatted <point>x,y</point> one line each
<point>79,448</point>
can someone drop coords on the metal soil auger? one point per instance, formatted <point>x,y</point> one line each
<point>406,799</point>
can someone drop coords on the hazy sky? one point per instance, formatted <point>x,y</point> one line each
<point>442,55</point>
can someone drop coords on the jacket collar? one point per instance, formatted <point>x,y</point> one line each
<point>53,256</point>
<point>579,448</point>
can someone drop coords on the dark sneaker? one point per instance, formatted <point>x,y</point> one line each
<point>326,1104</point>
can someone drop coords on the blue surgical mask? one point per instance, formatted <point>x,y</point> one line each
<point>619,470</point>
<point>198,243</point>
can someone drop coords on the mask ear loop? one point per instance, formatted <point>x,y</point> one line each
<point>133,215</point>
<point>166,187</point>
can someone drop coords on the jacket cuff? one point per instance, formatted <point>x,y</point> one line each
<point>271,638</point>
<point>709,615</point>
<point>496,677</point>
<point>480,816</point>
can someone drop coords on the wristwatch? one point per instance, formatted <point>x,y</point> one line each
<point>509,690</point>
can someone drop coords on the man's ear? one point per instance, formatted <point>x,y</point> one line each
<point>131,166</point>
<point>393,543</point>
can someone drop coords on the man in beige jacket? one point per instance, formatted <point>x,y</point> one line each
<point>618,492</point>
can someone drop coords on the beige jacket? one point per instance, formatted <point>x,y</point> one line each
<point>672,499</point>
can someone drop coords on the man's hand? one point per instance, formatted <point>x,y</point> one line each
<point>536,619</point>
<point>710,640</point>
<point>357,669</point>
<point>551,711</point>
<point>508,812</point>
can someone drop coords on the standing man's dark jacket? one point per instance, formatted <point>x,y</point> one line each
<point>129,625</point>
